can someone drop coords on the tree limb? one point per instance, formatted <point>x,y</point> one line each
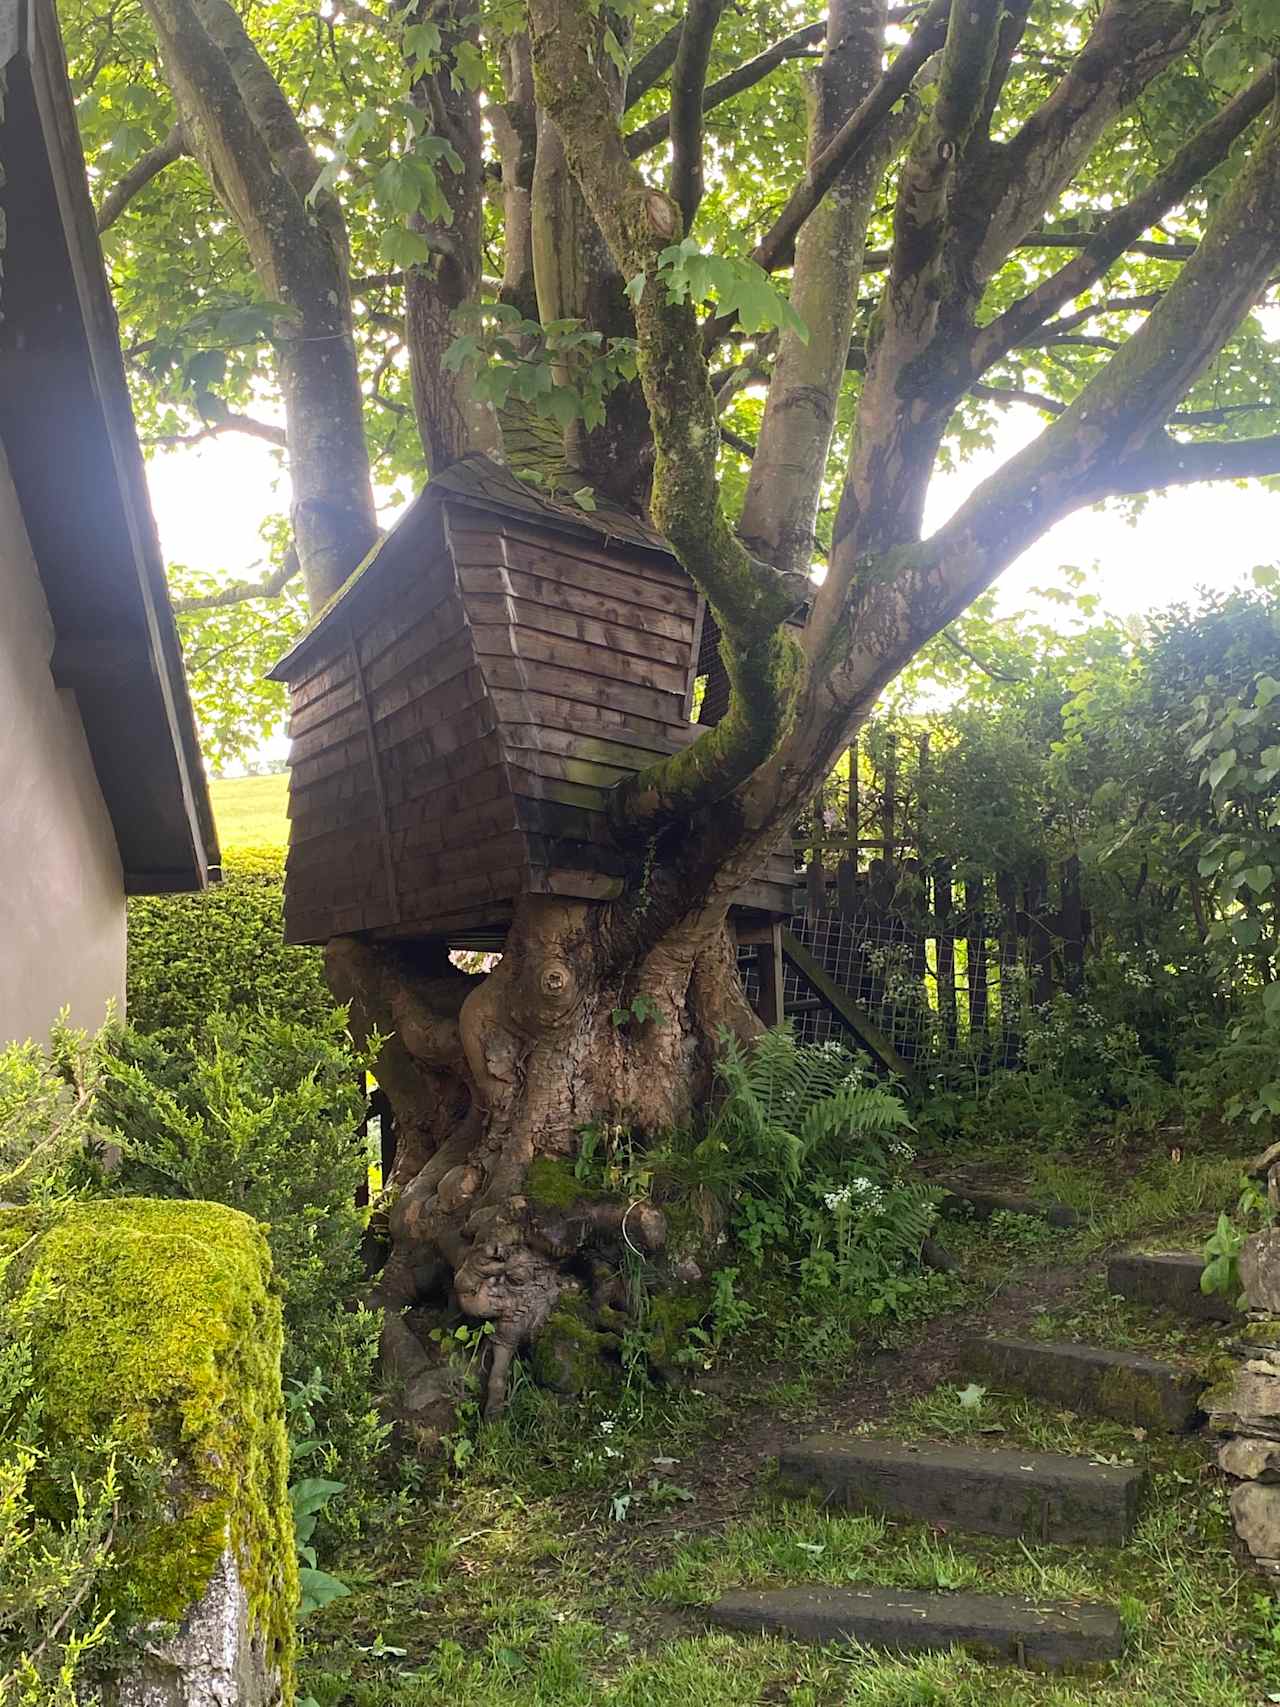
<point>1197,157</point>
<point>780,506</point>
<point>1166,462</point>
<point>229,423</point>
<point>653,65</point>
<point>1010,394</point>
<point>1131,42</point>
<point>749,600</point>
<point>240,592</point>
<point>745,76</point>
<point>139,175</point>
<point>775,248</point>
<point>688,82</point>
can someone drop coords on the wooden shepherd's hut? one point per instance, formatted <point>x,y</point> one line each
<point>463,706</point>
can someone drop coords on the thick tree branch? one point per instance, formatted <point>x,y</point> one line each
<point>231,120</point>
<point>797,45</point>
<point>1118,232</point>
<point>1016,182</point>
<point>653,65</point>
<point>139,175</point>
<point>748,598</point>
<point>688,82</point>
<point>776,247</point>
<point>1165,462</point>
<point>781,501</point>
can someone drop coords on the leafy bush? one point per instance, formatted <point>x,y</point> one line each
<point>47,1113</point>
<point>816,1160</point>
<point>261,1113</point>
<point>222,951</point>
<point>49,1565</point>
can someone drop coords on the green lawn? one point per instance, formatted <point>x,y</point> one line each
<point>251,811</point>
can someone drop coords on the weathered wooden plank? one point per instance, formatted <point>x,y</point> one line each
<point>549,709</point>
<point>843,1005</point>
<point>566,767</point>
<point>577,885</point>
<point>413,771</point>
<point>334,731</point>
<point>421,866</point>
<point>414,596</point>
<point>425,657</point>
<point>307,821</point>
<point>500,640</point>
<point>601,749</point>
<point>589,600</point>
<point>526,783</point>
<point>435,736</point>
<point>498,610</point>
<point>333,761</point>
<point>305,718</point>
<point>532,675</point>
<point>435,709</point>
<point>331,671</point>
<point>599,573</point>
<point>422,905</point>
<point>333,790</point>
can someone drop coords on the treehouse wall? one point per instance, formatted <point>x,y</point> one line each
<point>461,712</point>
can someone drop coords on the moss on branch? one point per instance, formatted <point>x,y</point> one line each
<point>749,598</point>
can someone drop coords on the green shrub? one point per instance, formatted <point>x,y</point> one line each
<point>222,951</point>
<point>260,1113</point>
<point>47,1113</point>
<point>815,1160</point>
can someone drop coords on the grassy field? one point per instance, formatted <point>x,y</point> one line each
<point>251,811</point>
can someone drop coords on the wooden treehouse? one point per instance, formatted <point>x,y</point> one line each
<point>463,706</point>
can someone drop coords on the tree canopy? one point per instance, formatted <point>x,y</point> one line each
<point>856,219</point>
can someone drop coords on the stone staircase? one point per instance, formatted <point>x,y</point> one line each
<point>1037,1497</point>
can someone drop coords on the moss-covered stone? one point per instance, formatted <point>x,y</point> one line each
<point>156,1327</point>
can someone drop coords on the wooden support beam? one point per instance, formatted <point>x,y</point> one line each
<point>846,1010</point>
<point>769,971</point>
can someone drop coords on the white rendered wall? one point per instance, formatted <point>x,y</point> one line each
<point>62,908</point>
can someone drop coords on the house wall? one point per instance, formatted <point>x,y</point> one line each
<point>62,906</point>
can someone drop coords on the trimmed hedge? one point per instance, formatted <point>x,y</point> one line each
<point>222,952</point>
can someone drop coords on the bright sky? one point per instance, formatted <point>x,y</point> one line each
<point>210,499</point>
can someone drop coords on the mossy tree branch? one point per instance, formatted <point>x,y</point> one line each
<point>749,599</point>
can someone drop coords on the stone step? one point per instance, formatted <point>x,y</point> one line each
<point>1042,1635</point>
<point>1042,1496</point>
<point>1121,1385</point>
<point>982,1205</point>
<point>1168,1280</point>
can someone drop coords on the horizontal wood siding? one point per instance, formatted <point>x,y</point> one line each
<point>456,734</point>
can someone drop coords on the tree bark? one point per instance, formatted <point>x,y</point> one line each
<point>493,1081</point>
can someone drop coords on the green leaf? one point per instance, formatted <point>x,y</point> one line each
<point>1220,766</point>
<point>317,1589</point>
<point>404,248</point>
<point>1258,877</point>
<point>971,1397</point>
<point>634,286</point>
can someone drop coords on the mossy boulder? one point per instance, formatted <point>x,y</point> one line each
<point>156,1327</point>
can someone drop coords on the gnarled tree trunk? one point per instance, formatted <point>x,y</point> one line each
<point>494,1080</point>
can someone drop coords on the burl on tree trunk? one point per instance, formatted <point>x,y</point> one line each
<point>493,1080</point>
